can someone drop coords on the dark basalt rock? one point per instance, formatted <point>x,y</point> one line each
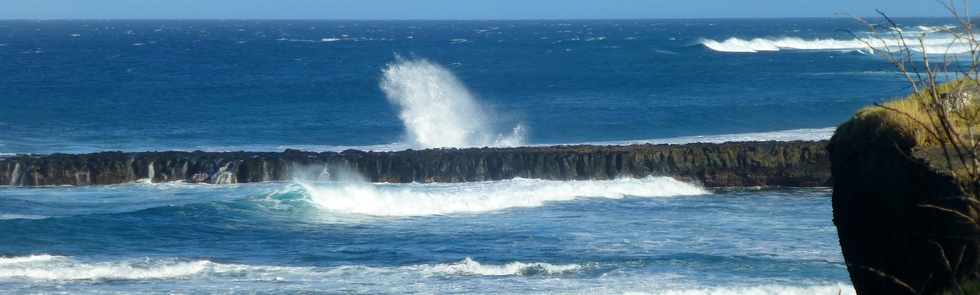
<point>891,243</point>
<point>713,165</point>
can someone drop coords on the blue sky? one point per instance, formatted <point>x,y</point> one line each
<point>456,9</point>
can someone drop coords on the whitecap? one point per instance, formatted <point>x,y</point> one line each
<point>27,259</point>
<point>934,44</point>
<point>403,200</point>
<point>806,134</point>
<point>62,268</point>
<point>5,216</point>
<point>471,267</point>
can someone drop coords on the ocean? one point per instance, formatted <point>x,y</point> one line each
<point>268,85</point>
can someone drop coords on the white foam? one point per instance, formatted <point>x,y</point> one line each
<point>810,134</point>
<point>471,267</point>
<point>440,199</point>
<point>26,259</point>
<point>437,109</point>
<point>5,216</point>
<point>934,29</point>
<point>61,268</point>
<point>761,44</point>
<point>935,44</point>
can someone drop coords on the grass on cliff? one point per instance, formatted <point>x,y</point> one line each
<point>910,118</point>
<point>910,122</point>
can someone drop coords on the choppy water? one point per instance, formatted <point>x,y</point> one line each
<point>653,235</point>
<point>83,86</point>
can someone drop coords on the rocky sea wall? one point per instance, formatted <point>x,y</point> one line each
<point>741,164</point>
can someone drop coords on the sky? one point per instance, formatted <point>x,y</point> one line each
<point>455,9</point>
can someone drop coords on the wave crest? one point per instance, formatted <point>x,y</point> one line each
<point>934,45</point>
<point>62,268</point>
<point>471,267</point>
<point>441,199</point>
<point>762,44</point>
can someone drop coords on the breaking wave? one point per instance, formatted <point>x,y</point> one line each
<point>761,44</point>
<point>938,44</point>
<point>809,134</point>
<point>438,111</point>
<point>11,216</point>
<point>471,267</point>
<point>62,268</point>
<point>441,199</point>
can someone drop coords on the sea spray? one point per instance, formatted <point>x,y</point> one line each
<point>437,109</point>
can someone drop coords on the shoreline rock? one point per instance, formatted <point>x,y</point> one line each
<point>891,240</point>
<point>737,164</point>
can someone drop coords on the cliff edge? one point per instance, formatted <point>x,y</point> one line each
<point>894,209</point>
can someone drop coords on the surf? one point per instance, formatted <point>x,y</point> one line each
<point>408,200</point>
<point>934,42</point>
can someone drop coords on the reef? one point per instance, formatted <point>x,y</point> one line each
<point>739,164</point>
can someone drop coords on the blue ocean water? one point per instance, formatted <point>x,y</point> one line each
<point>522,236</point>
<point>85,86</point>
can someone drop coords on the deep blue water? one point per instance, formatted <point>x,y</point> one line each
<point>80,86</point>
<point>83,86</point>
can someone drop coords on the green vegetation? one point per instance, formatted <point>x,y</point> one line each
<point>911,121</point>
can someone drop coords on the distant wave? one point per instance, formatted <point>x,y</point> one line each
<point>440,199</point>
<point>761,44</point>
<point>6,216</point>
<point>935,43</point>
<point>811,134</point>
<point>471,267</point>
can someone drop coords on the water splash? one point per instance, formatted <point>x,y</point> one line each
<point>437,109</point>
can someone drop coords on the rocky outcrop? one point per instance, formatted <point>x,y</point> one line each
<point>713,165</point>
<point>898,213</point>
